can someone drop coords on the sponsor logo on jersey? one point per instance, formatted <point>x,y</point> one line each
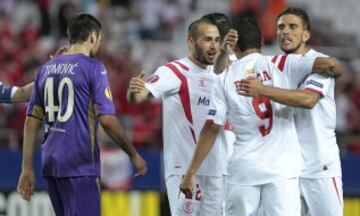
<point>203,101</point>
<point>202,83</point>
<point>108,94</point>
<point>313,82</point>
<point>212,112</point>
<point>152,79</point>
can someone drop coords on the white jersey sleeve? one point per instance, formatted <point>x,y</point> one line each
<point>218,106</point>
<point>163,82</point>
<point>295,67</point>
<point>319,84</point>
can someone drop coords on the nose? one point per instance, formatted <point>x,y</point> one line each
<point>214,44</point>
<point>286,30</point>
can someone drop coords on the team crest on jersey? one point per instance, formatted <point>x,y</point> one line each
<point>152,79</point>
<point>108,94</point>
<point>188,207</point>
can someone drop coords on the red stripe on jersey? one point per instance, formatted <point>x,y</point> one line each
<point>274,59</point>
<point>181,65</point>
<point>184,95</point>
<point>228,126</point>
<point>315,90</point>
<point>336,189</point>
<point>282,63</point>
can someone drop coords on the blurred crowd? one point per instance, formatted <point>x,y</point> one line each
<point>136,36</point>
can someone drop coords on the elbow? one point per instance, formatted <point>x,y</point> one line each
<point>336,67</point>
<point>106,121</point>
<point>309,103</point>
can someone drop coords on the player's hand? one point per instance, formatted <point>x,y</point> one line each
<point>26,184</point>
<point>140,165</point>
<point>230,41</point>
<point>250,86</point>
<point>60,51</point>
<point>187,185</point>
<point>137,84</point>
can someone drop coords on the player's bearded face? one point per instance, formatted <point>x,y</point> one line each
<point>207,45</point>
<point>291,34</point>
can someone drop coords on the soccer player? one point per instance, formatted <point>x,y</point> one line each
<point>263,170</point>
<point>15,94</point>
<point>71,93</point>
<point>184,86</point>
<point>228,38</point>
<point>320,179</point>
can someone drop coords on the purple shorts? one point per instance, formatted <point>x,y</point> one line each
<point>74,196</point>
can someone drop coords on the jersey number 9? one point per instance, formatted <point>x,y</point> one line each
<point>263,110</point>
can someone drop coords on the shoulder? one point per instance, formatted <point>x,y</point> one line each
<point>315,53</point>
<point>278,61</point>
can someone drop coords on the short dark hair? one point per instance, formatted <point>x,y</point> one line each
<point>301,13</point>
<point>249,34</point>
<point>81,26</point>
<point>193,29</point>
<point>221,21</point>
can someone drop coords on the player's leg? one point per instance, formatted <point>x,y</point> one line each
<point>281,198</point>
<point>54,195</point>
<point>80,195</point>
<point>304,207</point>
<point>242,200</point>
<point>323,196</point>
<point>213,192</point>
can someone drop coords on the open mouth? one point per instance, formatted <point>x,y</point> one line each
<point>211,54</point>
<point>286,41</point>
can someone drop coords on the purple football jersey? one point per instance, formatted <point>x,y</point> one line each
<point>70,92</point>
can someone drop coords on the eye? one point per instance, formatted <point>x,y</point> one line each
<point>293,26</point>
<point>281,27</point>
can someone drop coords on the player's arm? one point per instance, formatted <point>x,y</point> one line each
<point>328,66</point>
<point>116,132</point>
<point>290,97</point>
<point>227,54</point>
<point>26,182</point>
<point>23,93</point>
<point>137,92</point>
<point>206,141</point>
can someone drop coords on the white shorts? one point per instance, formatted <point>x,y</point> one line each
<point>323,196</point>
<point>281,198</point>
<point>208,198</point>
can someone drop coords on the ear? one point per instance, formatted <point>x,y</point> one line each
<point>93,37</point>
<point>306,36</point>
<point>190,42</point>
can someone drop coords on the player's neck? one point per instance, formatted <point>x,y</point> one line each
<point>78,49</point>
<point>197,62</point>
<point>302,50</point>
<point>246,52</point>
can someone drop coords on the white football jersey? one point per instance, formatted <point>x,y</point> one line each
<point>266,147</point>
<point>316,128</point>
<point>185,91</point>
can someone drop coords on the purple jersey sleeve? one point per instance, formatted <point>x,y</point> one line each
<point>102,96</point>
<point>35,107</point>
